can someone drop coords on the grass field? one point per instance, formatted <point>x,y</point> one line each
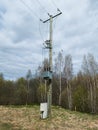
<point>27,118</point>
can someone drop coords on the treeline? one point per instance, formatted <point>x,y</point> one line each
<point>72,91</point>
<point>17,92</point>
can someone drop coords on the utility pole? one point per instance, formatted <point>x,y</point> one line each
<point>49,95</point>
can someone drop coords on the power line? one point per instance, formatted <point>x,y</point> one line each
<point>35,15</point>
<point>46,31</point>
<point>54,3</point>
<point>41,33</point>
<point>42,6</point>
<point>30,10</point>
<point>55,6</point>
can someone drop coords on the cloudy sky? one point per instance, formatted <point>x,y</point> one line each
<point>22,34</point>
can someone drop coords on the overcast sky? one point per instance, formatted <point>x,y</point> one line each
<point>22,34</point>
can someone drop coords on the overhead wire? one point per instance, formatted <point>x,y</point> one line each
<point>41,33</point>
<point>54,4</point>
<point>39,27</point>
<point>30,10</point>
<point>35,16</point>
<point>38,16</point>
<point>42,6</point>
<point>42,22</point>
<point>54,26</point>
<point>47,30</point>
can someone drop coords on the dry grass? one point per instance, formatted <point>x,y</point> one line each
<point>27,118</point>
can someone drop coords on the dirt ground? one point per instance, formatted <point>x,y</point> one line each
<point>28,118</point>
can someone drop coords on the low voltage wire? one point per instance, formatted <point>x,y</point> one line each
<point>41,33</point>
<point>54,4</point>
<point>35,16</point>
<point>42,6</point>
<point>29,9</point>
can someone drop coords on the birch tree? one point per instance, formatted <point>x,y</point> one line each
<point>28,77</point>
<point>58,69</point>
<point>68,73</point>
<point>90,69</point>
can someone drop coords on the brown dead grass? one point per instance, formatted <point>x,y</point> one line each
<point>28,118</point>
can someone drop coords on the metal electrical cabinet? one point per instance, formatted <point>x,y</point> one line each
<point>43,110</point>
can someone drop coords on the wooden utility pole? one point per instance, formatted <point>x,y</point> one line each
<point>49,95</point>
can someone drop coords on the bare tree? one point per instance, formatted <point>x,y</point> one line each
<point>90,69</point>
<point>28,77</point>
<point>68,73</point>
<point>58,69</point>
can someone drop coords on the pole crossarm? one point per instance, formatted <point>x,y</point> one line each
<point>52,17</point>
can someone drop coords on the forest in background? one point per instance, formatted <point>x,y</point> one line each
<point>77,92</point>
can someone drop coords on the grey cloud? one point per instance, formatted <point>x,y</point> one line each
<point>94,4</point>
<point>75,31</point>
